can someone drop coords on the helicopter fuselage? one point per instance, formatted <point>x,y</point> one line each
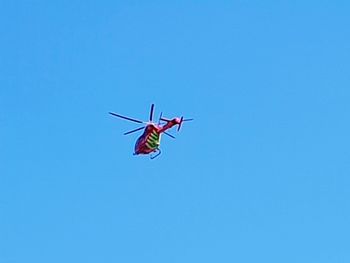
<point>149,141</point>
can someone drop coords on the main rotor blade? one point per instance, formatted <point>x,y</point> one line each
<point>165,119</point>
<point>151,113</point>
<point>126,133</point>
<point>169,135</point>
<point>160,117</point>
<point>188,120</point>
<point>125,118</point>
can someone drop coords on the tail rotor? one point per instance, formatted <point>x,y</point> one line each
<point>181,121</point>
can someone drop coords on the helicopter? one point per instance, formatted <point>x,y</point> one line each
<point>149,141</point>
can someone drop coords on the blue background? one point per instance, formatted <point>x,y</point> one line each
<point>261,175</point>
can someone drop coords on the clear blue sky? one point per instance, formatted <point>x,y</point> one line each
<point>261,175</point>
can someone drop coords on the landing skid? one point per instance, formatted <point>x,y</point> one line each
<point>154,156</point>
